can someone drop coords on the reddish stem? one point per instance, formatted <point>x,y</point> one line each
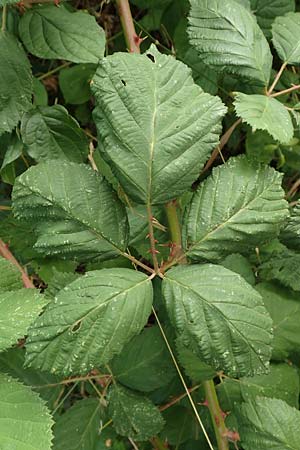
<point>6,253</point>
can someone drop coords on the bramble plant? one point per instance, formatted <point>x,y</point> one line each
<point>150,225</point>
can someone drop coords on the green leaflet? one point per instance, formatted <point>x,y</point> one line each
<point>156,126</point>
<point>133,415</point>
<point>268,423</point>
<point>90,321</point>
<point>181,425</point>
<point>75,212</point>
<point>266,11</point>
<point>239,264</point>
<point>10,277</point>
<point>282,382</point>
<point>228,38</point>
<point>74,83</point>
<point>239,207</point>
<point>144,364</point>
<point>50,133</point>
<point>283,306</point>
<point>15,82</point>
<point>13,149</point>
<point>25,422</point>
<point>262,112</point>
<point>194,367</point>
<point>220,316</point>
<point>286,38</point>
<point>78,427</point>
<point>55,33</point>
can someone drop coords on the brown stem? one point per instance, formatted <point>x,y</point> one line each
<point>138,263</point>
<point>177,399</point>
<point>132,39</point>
<point>286,91</point>
<point>223,141</point>
<point>6,253</point>
<point>5,208</point>
<point>269,92</point>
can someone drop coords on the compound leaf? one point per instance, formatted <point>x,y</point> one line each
<point>133,415</point>
<point>49,132</point>
<point>219,315</point>
<point>16,84</point>
<point>74,210</point>
<point>90,321</point>
<point>286,38</point>
<point>156,126</point>
<point>78,427</point>
<point>240,206</point>
<point>262,112</point>
<point>25,422</point>
<point>56,33</point>
<point>228,38</point>
<point>268,423</point>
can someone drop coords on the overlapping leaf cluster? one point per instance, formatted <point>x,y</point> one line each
<point>227,302</point>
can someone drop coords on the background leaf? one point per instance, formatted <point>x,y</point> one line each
<point>265,113</point>
<point>78,428</point>
<point>269,423</point>
<point>133,415</point>
<point>228,38</point>
<point>286,39</point>
<point>90,321</point>
<point>76,214</point>
<point>240,206</point>
<point>266,11</point>
<point>25,422</point>
<point>220,316</point>
<point>74,83</point>
<point>15,82</point>
<point>50,133</point>
<point>55,33</point>
<point>156,127</point>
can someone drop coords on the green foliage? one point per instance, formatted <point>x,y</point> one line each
<point>265,113</point>
<point>25,422</point>
<point>51,32</point>
<point>151,198</point>
<point>233,333</point>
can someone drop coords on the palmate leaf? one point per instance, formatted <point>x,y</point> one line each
<point>268,423</point>
<point>90,321</point>
<point>56,33</point>
<point>74,210</point>
<point>220,316</point>
<point>15,82</point>
<point>228,38</point>
<point>284,307</point>
<point>156,126</point>
<point>25,422</point>
<point>262,112</point>
<point>286,38</point>
<point>50,133</point>
<point>133,415</point>
<point>78,427</point>
<point>266,11</point>
<point>240,206</point>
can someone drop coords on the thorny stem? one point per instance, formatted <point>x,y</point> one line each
<point>132,39</point>
<point>177,399</point>
<point>223,141</point>
<point>175,231</point>
<point>138,263</point>
<point>286,91</point>
<point>269,92</point>
<point>4,16</point>
<point>6,253</point>
<point>216,414</point>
